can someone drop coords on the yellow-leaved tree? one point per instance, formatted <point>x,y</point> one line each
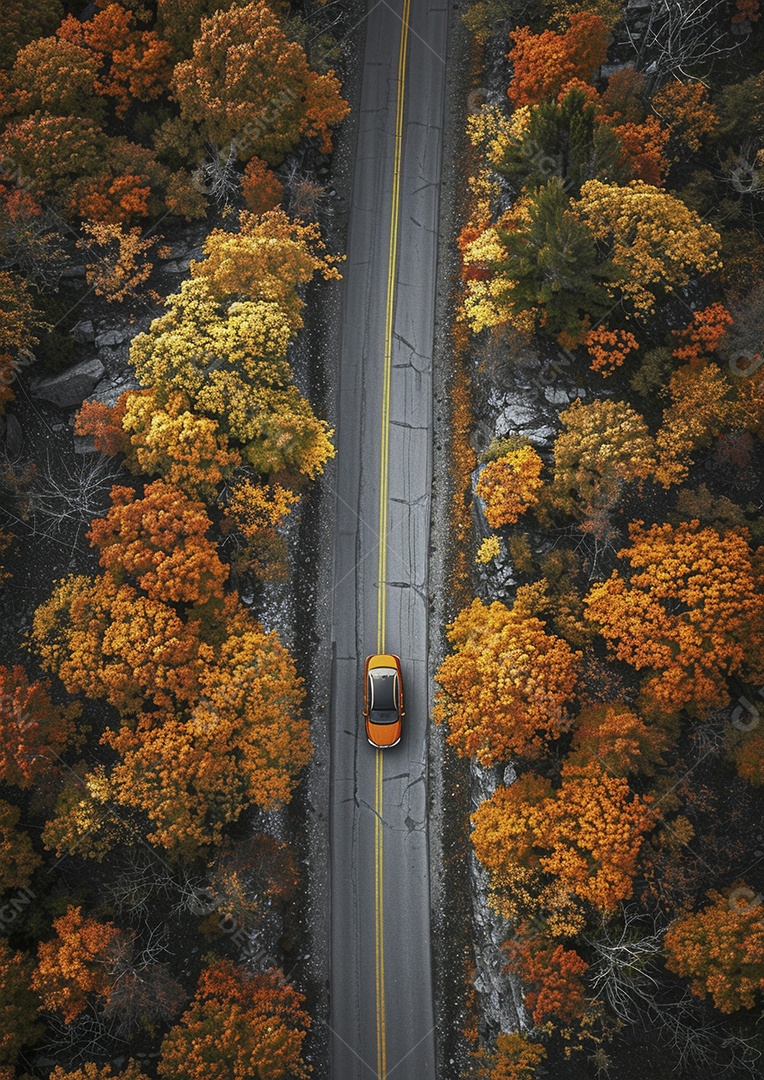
<point>509,485</point>
<point>652,237</point>
<point>268,258</point>
<point>602,446</point>
<point>505,688</point>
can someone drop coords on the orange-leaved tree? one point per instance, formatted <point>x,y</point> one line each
<point>685,110</point>
<point>243,743</point>
<point>582,840</point>
<point>75,964</point>
<point>704,334</point>
<point>509,485</point>
<point>107,640</point>
<point>505,688</point>
<point>721,948</point>
<point>238,1025</point>
<point>34,732</point>
<point>643,150</point>
<point>551,974</point>
<point>747,746</point>
<point>594,832</point>
<point>117,265</point>
<point>134,64</point>
<point>609,348</point>
<point>543,63</point>
<point>161,541</point>
<point>73,163</point>
<point>58,76</point>
<point>261,188</point>
<point>690,613</point>
<point>247,82</point>
<point>179,22</point>
<point>515,1058</point>
<point>90,1071</point>
<point>619,738</point>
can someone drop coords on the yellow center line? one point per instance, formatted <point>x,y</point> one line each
<point>382,565</point>
<point>379,906</point>
<point>388,354</point>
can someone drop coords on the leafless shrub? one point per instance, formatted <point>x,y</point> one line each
<point>622,972</point>
<point>218,177</point>
<point>306,196</point>
<point>86,1038</point>
<point>33,244</point>
<point>142,990</point>
<point>68,497</point>
<point>142,882</point>
<point>626,975</point>
<point>680,37</point>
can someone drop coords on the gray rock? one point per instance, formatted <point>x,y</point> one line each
<point>515,417</point>
<point>557,395</point>
<point>177,266</point>
<point>109,389</point>
<point>83,333</point>
<point>71,387</point>
<point>510,775</point>
<point>184,250</point>
<point>541,436</point>
<point>110,338</point>
<point>74,272</point>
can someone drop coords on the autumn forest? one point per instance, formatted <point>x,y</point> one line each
<point>148,711</point>
<point>611,242</point>
<point>603,667</point>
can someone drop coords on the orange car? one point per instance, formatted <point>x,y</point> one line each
<point>383,699</point>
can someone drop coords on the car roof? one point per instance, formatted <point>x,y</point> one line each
<point>383,682</point>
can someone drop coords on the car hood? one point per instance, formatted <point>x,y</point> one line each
<point>384,734</point>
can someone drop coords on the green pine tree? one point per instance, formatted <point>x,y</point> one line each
<point>564,139</point>
<point>554,265</point>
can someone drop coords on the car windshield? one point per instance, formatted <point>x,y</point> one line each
<point>383,694</point>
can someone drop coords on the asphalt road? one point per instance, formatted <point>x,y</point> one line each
<point>381,1005</point>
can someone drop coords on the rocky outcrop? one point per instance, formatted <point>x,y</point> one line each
<point>70,387</point>
<point>84,332</point>
<point>111,338</point>
<point>499,989</point>
<point>179,257</point>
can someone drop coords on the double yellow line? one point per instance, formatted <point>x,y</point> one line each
<point>379,899</point>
